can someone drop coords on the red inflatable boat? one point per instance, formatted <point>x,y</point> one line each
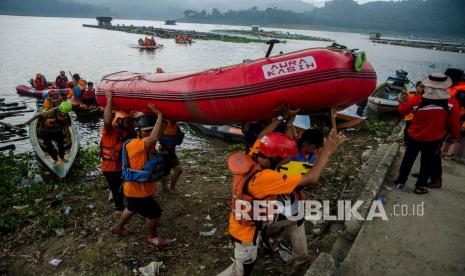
<point>29,91</point>
<point>310,79</point>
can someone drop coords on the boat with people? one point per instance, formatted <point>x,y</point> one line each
<point>148,44</point>
<point>384,97</point>
<point>311,79</point>
<point>71,145</point>
<point>29,91</point>
<point>183,39</point>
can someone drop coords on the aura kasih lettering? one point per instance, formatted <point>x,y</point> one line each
<point>288,67</point>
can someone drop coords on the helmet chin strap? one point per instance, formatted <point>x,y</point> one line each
<point>275,161</point>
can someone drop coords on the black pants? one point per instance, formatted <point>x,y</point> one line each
<point>430,163</point>
<point>407,125</point>
<point>59,138</point>
<point>115,182</point>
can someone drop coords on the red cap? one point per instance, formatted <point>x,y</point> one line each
<point>277,144</point>
<point>71,84</point>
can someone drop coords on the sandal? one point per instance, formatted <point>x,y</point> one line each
<point>419,190</point>
<point>122,231</point>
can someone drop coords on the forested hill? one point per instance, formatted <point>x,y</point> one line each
<point>51,8</point>
<point>432,18</point>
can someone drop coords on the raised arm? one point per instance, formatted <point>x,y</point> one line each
<point>332,142</point>
<point>157,130</point>
<point>107,114</point>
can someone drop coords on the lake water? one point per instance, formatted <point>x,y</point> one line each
<point>29,45</point>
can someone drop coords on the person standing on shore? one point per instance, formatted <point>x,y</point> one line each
<point>435,112</point>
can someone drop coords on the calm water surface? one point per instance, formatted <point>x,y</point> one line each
<point>29,45</point>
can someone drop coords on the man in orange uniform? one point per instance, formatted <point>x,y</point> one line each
<point>115,131</point>
<point>172,137</point>
<point>140,195</point>
<point>267,183</point>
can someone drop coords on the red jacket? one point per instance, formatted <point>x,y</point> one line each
<point>38,84</point>
<point>432,122</point>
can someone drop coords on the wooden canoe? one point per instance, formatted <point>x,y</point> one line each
<point>61,169</point>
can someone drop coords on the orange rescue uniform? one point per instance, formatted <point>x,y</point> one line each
<point>265,183</point>
<point>137,157</point>
<point>110,139</point>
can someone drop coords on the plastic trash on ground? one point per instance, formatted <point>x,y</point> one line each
<point>151,269</point>
<point>208,233</point>
<point>55,262</point>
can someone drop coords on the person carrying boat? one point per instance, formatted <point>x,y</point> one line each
<point>88,96</point>
<point>141,168</point>
<point>172,137</point>
<point>61,80</point>
<point>435,114</point>
<point>116,130</point>
<point>54,122</point>
<point>256,178</point>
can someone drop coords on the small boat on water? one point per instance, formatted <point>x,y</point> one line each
<point>29,91</point>
<point>183,39</point>
<point>170,22</point>
<point>311,79</point>
<point>229,133</point>
<point>60,168</point>
<point>384,98</point>
<point>143,47</point>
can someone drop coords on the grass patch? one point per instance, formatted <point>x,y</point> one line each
<point>374,125</point>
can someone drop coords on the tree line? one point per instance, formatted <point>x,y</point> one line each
<point>438,18</point>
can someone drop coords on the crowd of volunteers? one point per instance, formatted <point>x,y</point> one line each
<point>138,150</point>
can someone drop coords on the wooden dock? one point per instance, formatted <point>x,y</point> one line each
<point>171,33</point>
<point>425,44</point>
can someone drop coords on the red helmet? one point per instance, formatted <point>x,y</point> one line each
<point>70,84</point>
<point>277,144</point>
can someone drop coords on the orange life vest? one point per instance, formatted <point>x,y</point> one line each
<point>244,169</point>
<point>454,89</point>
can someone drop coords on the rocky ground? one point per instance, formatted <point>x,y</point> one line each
<point>84,242</point>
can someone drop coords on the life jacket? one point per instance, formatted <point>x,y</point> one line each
<point>89,94</point>
<point>38,84</point>
<point>61,81</point>
<point>243,169</point>
<point>77,92</point>
<point>172,140</point>
<point>153,169</point>
<point>454,89</point>
<point>112,152</point>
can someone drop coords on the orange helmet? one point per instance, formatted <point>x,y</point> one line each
<point>277,144</point>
